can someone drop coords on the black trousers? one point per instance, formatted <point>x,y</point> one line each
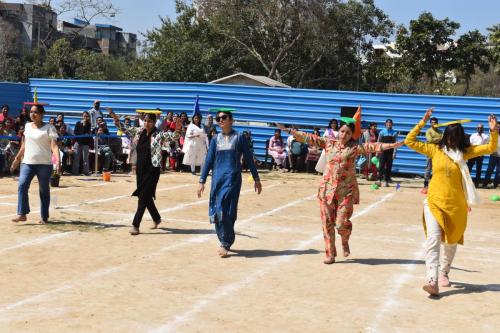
<point>478,161</point>
<point>385,162</point>
<point>142,204</point>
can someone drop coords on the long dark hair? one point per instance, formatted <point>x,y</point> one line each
<point>336,123</point>
<point>455,133</point>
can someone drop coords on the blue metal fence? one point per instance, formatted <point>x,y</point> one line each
<point>265,105</point>
<point>14,94</point>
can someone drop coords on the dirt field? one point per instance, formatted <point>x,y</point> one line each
<point>84,273</point>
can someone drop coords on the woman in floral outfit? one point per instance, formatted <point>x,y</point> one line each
<point>338,190</point>
<point>148,140</point>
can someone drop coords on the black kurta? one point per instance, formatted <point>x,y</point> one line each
<point>147,175</point>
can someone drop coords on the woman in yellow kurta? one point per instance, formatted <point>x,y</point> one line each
<point>451,191</point>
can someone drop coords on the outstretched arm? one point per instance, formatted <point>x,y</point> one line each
<point>491,147</point>
<point>310,139</point>
<point>419,146</point>
<point>377,147</point>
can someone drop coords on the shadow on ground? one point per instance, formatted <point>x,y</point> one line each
<point>259,253</point>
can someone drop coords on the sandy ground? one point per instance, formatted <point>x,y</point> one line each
<point>84,273</point>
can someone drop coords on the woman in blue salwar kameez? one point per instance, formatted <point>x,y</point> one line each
<point>224,159</point>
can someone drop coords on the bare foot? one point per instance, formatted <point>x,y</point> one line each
<point>43,221</point>
<point>329,260</point>
<point>223,252</point>
<point>345,248</point>
<point>20,218</point>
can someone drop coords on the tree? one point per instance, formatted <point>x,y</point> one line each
<point>494,41</point>
<point>60,60</point>
<point>471,53</point>
<point>427,47</point>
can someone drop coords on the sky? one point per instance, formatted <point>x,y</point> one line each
<point>138,16</point>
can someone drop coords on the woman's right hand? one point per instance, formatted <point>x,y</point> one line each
<point>428,115</point>
<point>15,165</point>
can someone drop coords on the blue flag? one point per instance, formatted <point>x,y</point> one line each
<point>196,106</point>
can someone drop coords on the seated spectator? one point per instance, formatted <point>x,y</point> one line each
<point>4,115</point>
<point>370,170</point>
<point>312,157</point>
<point>5,150</point>
<point>297,152</point>
<point>52,121</point>
<point>277,149</point>
<point>66,148</point>
<point>24,116</point>
<point>168,123</point>
<point>104,150</point>
<point>173,151</point>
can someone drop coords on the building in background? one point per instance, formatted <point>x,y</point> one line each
<point>24,27</point>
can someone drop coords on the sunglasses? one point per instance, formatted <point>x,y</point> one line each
<point>223,117</point>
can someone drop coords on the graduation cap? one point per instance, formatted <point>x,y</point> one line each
<point>453,122</point>
<point>35,101</point>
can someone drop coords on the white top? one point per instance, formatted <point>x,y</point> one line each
<point>195,145</point>
<point>330,133</point>
<point>477,139</point>
<point>37,144</point>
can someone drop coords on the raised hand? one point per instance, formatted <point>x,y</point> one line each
<point>280,126</point>
<point>428,115</point>
<point>492,121</point>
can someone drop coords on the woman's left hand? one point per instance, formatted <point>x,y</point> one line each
<point>492,120</point>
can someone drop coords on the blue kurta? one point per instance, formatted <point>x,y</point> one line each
<point>224,159</point>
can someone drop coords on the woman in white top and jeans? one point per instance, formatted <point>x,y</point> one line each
<point>37,148</point>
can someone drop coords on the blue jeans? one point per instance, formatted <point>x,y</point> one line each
<point>493,166</point>
<point>43,173</point>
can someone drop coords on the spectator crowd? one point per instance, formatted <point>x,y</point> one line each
<point>78,146</point>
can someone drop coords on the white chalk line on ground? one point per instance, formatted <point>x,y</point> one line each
<point>37,241</point>
<point>172,326</point>
<point>45,239</point>
<point>113,269</point>
<point>60,189</point>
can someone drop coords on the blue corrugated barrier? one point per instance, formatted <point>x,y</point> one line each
<point>263,105</point>
<point>14,94</point>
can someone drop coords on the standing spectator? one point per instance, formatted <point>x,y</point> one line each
<point>5,114</point>
<point>82,145</point>
<point>332,131</point>
<point>277,149</point>
<point>184,119</point>
<point>493,164</point>
<point>195,144</point>
<point>387,135</point>
<point>52,121</point>
<point>209,126</point>
<point>369,170</point>
<point>37,150</point>
<point>24,116</point>
<point>433,136</point>
<point>95,113</point>
<point>477,139</point>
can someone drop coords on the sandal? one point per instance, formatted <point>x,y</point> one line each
<point>20,218</point>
